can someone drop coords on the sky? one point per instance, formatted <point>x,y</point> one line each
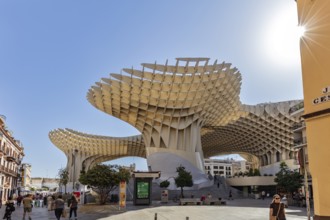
<point>52,52</point>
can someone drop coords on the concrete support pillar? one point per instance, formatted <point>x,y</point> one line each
<point>75,163</point>
<point>284,155</point>
<point>269,158</point>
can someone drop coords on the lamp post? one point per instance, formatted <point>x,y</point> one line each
<point>74,168</point>
<point>302,162</point>
<point>306,186</point>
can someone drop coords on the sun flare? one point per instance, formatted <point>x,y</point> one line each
<point>282,38</point>
<point>301,31</point>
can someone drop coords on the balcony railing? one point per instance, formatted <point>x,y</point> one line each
<point>300,141</point>
<point>8,171</point>
<point>11,159</point>
<point>298,125</point>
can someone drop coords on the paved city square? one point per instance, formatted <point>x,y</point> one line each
<point>234,210</point>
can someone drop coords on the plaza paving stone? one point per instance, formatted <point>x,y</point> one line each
<point>238,209</point>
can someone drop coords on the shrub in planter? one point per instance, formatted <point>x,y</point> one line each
<point>164,184</point>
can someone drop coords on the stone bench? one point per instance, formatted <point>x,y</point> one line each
<point>190,201</point>
<point>214,201</point>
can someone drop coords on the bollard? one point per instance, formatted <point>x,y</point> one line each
<point>187,218</point>
<point>155,216</point>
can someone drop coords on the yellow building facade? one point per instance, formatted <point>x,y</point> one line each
<point>314,16</point>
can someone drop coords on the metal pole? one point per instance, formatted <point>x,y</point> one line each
<point>306,187</point>
<point>74,169</point>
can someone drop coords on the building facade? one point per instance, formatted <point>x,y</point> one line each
<point>11,155</point>
<point>25,171</point>
<point>40,183</point>
<point>218,167</point>
<point>315,53</point>
<point>300,141</point>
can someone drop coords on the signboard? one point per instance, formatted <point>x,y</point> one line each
<point>325,97</point>
<point>146,174</point>
<point>122,194</point>
<point>142,190</point>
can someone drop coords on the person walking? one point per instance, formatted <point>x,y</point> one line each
<point>27,206</point>
<point>73,207</point>
<point>10,207</point>
<point>50,202</point>
<point>263,194</point>
<point>41,200</point>
<point>59,207</point>
<point>276,209</point>
<point>19,200</point>
<point>230,195</point>
<point>45,201</point>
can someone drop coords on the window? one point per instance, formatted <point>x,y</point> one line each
<point>278,156</point>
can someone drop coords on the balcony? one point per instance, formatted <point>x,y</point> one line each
<point>8,171</point>
<point>10,159</point>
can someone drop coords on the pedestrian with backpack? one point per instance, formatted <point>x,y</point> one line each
<point>10,207</point>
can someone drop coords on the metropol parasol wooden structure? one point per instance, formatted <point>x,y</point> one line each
<point>185,112</point>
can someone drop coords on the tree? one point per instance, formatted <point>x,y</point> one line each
<point>183,179</point>
<point>103,179</point>
<point>64,177</point>
<point>251,172</point>
<point>287,180</point>
<point>256,172</point>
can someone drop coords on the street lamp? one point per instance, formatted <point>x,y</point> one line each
<point>74,168</point>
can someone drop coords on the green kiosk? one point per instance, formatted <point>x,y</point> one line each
<point>142,187</point>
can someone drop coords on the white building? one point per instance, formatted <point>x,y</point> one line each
<point>11,155</point>
<point>226,168</point>
<point>218,167</point>
<point>40,182</point>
